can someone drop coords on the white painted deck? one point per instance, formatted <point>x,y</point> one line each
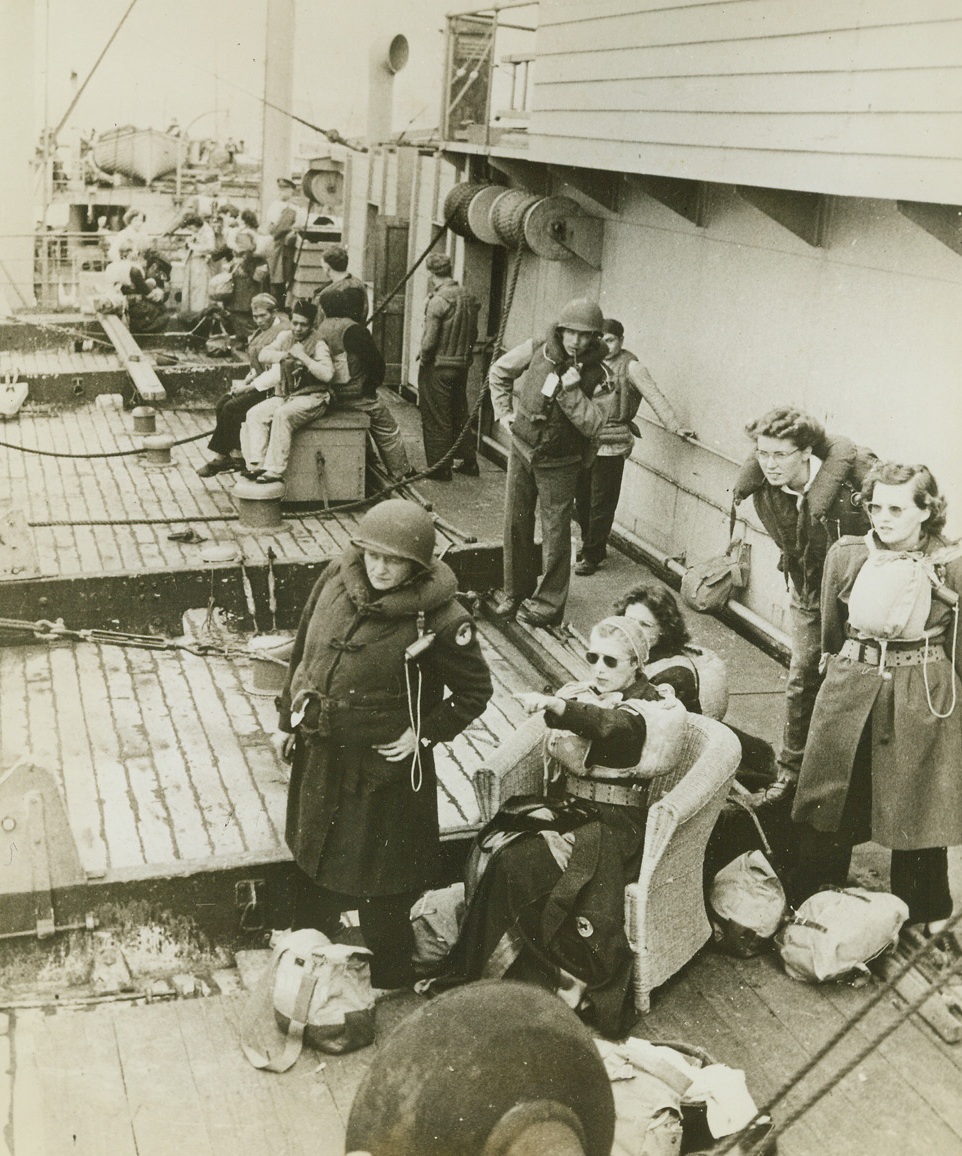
<point>61,497</point>
<point>164,760</point>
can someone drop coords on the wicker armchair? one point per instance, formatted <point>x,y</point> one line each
<point>665,916</point>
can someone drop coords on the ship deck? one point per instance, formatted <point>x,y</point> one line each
<point>164,763</point>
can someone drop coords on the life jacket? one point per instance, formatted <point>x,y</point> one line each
<point>295,377</point>
<point>540,423</point>
<point>332,330</point>
<point>458,329</point>
<point>891,597</point>
<point>666,721</point>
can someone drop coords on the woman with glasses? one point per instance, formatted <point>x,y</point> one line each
<point>804,485</point>
<point>548,907</point>
<point>884,753</point>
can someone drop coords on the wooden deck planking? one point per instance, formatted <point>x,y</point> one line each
<point>119,822</point>
<point>85,1096</point>
<point>238,772</point>
<point>930,1066</point>
<point>112,490</point>
<point>177,788</point>
<point>81,787</point>
<point>878,1096</point>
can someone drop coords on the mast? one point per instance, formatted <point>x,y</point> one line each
<point>17,141</point>
<point>278,98</point>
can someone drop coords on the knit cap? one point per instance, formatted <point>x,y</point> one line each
<point>633,633</point>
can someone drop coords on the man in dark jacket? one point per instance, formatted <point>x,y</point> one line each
<point>447,341</point>
<point>346,295</point>
<point>555,423</point>
<point>805,487</point>
<point>385,665</point>
<point>358,374</point>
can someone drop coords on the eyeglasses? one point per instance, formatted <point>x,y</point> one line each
<point>608,659</point>
<point>875,509</point>
<point>777,457</point>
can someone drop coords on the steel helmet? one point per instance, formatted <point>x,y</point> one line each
<point>477,1071</point>
<point>583,315</point>
<point>400,528</point>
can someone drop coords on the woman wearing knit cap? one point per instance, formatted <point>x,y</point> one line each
<point>548,907</point>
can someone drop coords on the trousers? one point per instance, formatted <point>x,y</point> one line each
<point>268,430</point>
<point>802,685</point>
<point>385,432</point>
<point>231,410</point>
<point>552,490</point>
<point>443,402</point>
<point>596,501</point>
<point>385,923</point>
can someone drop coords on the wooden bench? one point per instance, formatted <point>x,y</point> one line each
<point>327,459</point>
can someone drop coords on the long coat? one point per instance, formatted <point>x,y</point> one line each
<point>916,758</point>
<point>355,823</point>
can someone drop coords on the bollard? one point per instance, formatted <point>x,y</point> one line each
<point>145,420</point>
<point>158,450</point>
<point>258,506</point>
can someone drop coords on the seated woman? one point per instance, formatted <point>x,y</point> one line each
<point>885,746</point>
<point>697,676</point>
<point>549,905</point>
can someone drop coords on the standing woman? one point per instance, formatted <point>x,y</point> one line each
<point>380,639</point>
<point>885,749</point>
<point>200,244</point>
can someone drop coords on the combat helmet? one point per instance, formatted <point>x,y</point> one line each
<point>400,528</point>
<point>583,315</point>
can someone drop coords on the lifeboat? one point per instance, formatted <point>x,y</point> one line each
<point>142,154</point>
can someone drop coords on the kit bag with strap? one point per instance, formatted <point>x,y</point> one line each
<point>666,720</point>
<point>710,585</point>
<point>746,905</point>
<point>746,900</point>
<point>313,992</point>
<point>835,933</point>
<point>436,921</point>
<point>892,593</point>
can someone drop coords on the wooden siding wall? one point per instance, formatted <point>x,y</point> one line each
<point>741,315</point>
<point>855,97</point>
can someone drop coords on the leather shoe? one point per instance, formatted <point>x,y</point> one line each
<point>468,469</point>
<point>505,607</point>
<point>584,567</point>
<point>531,616</point>
<point>215,466</point>
<point>267,479</point>
<point>251,475</point>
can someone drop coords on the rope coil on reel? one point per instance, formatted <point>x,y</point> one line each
<point>521,221</point>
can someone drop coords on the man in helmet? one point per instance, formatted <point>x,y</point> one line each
<point>555,414</point>
<point>381,639</point>
<point>447,344</point>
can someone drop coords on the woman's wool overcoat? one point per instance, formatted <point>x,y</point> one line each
<point>355,823</point>
<point>916,757</point>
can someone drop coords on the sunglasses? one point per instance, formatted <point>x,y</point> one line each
<point>593,658</point>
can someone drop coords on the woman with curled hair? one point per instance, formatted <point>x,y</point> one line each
<point>885,746</point>
<point>697,675</point>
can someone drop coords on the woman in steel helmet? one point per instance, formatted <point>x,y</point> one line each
<point>381,640</point>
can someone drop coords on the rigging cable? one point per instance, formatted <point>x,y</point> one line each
<point>885,989</point>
